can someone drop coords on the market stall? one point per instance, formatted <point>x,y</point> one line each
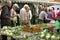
<point>41,31</point>
<point>35,30</point>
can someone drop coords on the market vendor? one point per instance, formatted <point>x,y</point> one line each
<point>25,14</point>
<point>14,14</point>
<point>57,24</point>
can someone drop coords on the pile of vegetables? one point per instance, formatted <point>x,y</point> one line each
<point>42,36</point>
<point>11,31</point>
<point>49,35</point>
<point>17,32</point>
<point>43,25</point>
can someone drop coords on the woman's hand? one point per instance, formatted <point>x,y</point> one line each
<point>17,15</point>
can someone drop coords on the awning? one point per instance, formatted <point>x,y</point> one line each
<point>35,1</point>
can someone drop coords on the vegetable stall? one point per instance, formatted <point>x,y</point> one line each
<point>31,32</point>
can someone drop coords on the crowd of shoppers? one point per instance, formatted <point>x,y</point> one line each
<point>9,15</point>
<point>49,14</point>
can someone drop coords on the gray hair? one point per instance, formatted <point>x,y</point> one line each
<point>15,5</point>
<point>8,2</point>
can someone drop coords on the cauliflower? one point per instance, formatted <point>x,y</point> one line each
<point>48,36</point>
<point>53,37</point>
<point>42,35</point>
<point>11,34</point>
<point>5,27</point>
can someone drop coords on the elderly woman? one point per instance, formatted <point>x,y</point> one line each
<point>25,14</point>
<point>14,14</point>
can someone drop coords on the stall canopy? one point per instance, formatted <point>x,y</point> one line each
<point>31,0</point>
<point>39,1</point>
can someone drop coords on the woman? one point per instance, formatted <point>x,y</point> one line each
<point>14,14</point>
<point>25,14</point>
<point>53,13</point>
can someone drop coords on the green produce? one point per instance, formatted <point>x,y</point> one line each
<point>11,31</point>
<point>16,32</point>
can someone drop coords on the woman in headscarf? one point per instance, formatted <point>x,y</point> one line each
<point>14,14</point>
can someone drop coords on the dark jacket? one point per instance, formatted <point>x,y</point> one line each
<point>5,16</point>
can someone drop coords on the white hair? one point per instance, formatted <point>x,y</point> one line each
<point>26,5</point>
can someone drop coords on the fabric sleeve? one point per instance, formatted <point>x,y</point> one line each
<point>46,16</point>
<point>22,14</point>
<point>5,13</point>
<point>12,13</point>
